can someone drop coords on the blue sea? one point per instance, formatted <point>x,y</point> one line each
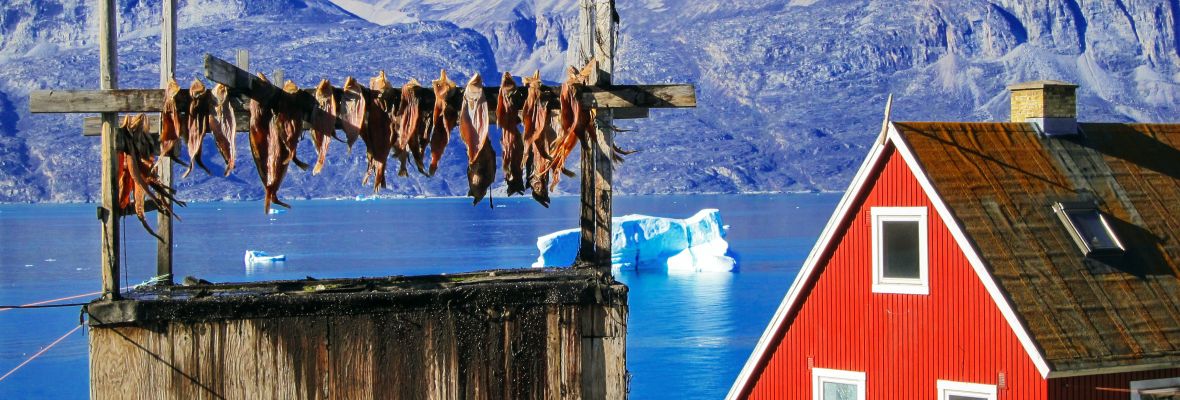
<point>688,338</point>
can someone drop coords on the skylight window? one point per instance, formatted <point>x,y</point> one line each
<point>1089,228</point>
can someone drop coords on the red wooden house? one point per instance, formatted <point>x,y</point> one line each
<point>1034,259</point>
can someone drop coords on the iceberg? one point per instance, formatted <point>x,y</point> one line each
<point>261,257</point>
<point>693,244</point>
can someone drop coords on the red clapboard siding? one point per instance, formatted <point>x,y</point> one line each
<point>904,343</point>
<point>1103,387</point>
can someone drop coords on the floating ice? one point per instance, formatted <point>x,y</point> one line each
<point>692,244</point>
<point>277,211</point>
<point>261,257</point>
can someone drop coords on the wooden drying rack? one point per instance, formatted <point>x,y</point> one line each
<point>598,24</point>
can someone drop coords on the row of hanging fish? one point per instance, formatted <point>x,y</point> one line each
<point>412,123</point>
<point>138,179</point>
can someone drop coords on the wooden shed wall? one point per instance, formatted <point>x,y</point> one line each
<point>525,352</point>
<point>904,343</point>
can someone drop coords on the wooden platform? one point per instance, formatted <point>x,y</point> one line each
<point>511,334</point>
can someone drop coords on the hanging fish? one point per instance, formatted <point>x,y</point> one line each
<point>443,118</point>
<point>415,107</point>
<point>577,121</point>
<point>512,144</point>
<point>289,113</point>
<point>266,148</point>
<point>172,124</point>
<point>136,178</point>
<point>200,110</point>
<point>224,126</point>
<point>473,129</point>
<point>379,134</point>
<point>352,112</point>
<point>538,136</point>
<point>323,122</point>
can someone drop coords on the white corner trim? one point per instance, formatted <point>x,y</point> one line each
<point>819,376</point>
<point>946,389</point>
<point>882,284</point>
<point>969,251</point>
<point>1138,386</point>
<point>843,213</point>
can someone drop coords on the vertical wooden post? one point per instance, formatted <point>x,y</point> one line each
<point>243,59</point>
<point>167,72</point>
<point>598,24</point>
<point>108,79</point>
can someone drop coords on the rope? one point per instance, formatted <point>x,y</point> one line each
<point>2,308</point>
<point>42,351</point>
<point>38,303</point>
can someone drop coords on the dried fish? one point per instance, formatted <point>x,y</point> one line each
<point>352,112</point>
<point>473,129</point>
<point>200,110</point>
<point>443,118</point>
<point>323,122</point>
<point>224,126</point>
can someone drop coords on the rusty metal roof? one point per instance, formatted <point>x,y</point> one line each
<point>1000,181</point>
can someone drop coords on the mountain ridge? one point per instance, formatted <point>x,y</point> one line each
<point>790,94</point>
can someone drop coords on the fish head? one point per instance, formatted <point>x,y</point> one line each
<point>507,81</point>
<point>196,88</point>
<point>290,87</point>
<point>324,88</point>
<point>220,92</point>
<point>379,83</point>
<point>533,81</point>
<point>262,77</point>
<point>350,84</point>
<point>442,85</point>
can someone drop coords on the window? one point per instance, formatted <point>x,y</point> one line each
<point>1089,228</point>
<point>948,390</point>
<point>1156,389</point>
<point>899,250</point>
<point>834,384</point>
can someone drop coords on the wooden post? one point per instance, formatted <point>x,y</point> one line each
<point>167,72</point>
<point>598,24</point>
<point>243,59</point>
<point>108,79</point>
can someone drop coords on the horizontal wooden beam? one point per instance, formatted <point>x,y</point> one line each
<point>96,101</point>
<point>642,96</point>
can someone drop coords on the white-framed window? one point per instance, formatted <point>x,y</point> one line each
<point>900,255</point>
<point>1156,389</point>
<point>835,384</point>
<point>948,390</point>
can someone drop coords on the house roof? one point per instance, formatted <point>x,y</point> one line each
<point>1000,180</point>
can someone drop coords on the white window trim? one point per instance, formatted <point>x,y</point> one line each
<point>1136,386</point>
<point>821,375</point>
<point>881,284</point>
<point>946,389</point>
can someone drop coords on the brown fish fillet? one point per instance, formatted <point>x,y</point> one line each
<point>200,111</point>
<point>538,136</point>
<point>444,117</point>
<point>292,122</point>
<point>352,110</point>
<point>323,122</point>
<point>511,142</point>
<point>224,126</point>
<point>264,142</point>
<point>378,134</point>
<point>473,129</point>
<point>415,109</point>
<point>173,125</point>
<point>575,119</point>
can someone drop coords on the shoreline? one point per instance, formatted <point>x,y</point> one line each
<point>409,197</point>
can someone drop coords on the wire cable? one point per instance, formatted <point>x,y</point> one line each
<point>2,308</point>
<point>42,351</point>
<point>38,303</point>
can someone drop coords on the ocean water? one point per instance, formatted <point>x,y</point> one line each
<point>688,334</point>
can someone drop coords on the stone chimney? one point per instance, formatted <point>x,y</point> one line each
<point>1049,105</point>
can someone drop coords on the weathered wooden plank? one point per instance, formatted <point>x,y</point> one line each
<point>164,164</point>
<point>605,95</point>
<point>240,369</point>
<point>108,79</point>
<point>351,357</point>
<point>94,101</point>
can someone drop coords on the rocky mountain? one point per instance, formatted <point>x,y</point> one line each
<point>790,92</point>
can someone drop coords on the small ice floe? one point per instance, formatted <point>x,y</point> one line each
<point>365,198</point>
<point>274,211</point>
<point>28,265</point>
<point>694,244</point>
<point>261,257</point>
<point>50,259</point>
